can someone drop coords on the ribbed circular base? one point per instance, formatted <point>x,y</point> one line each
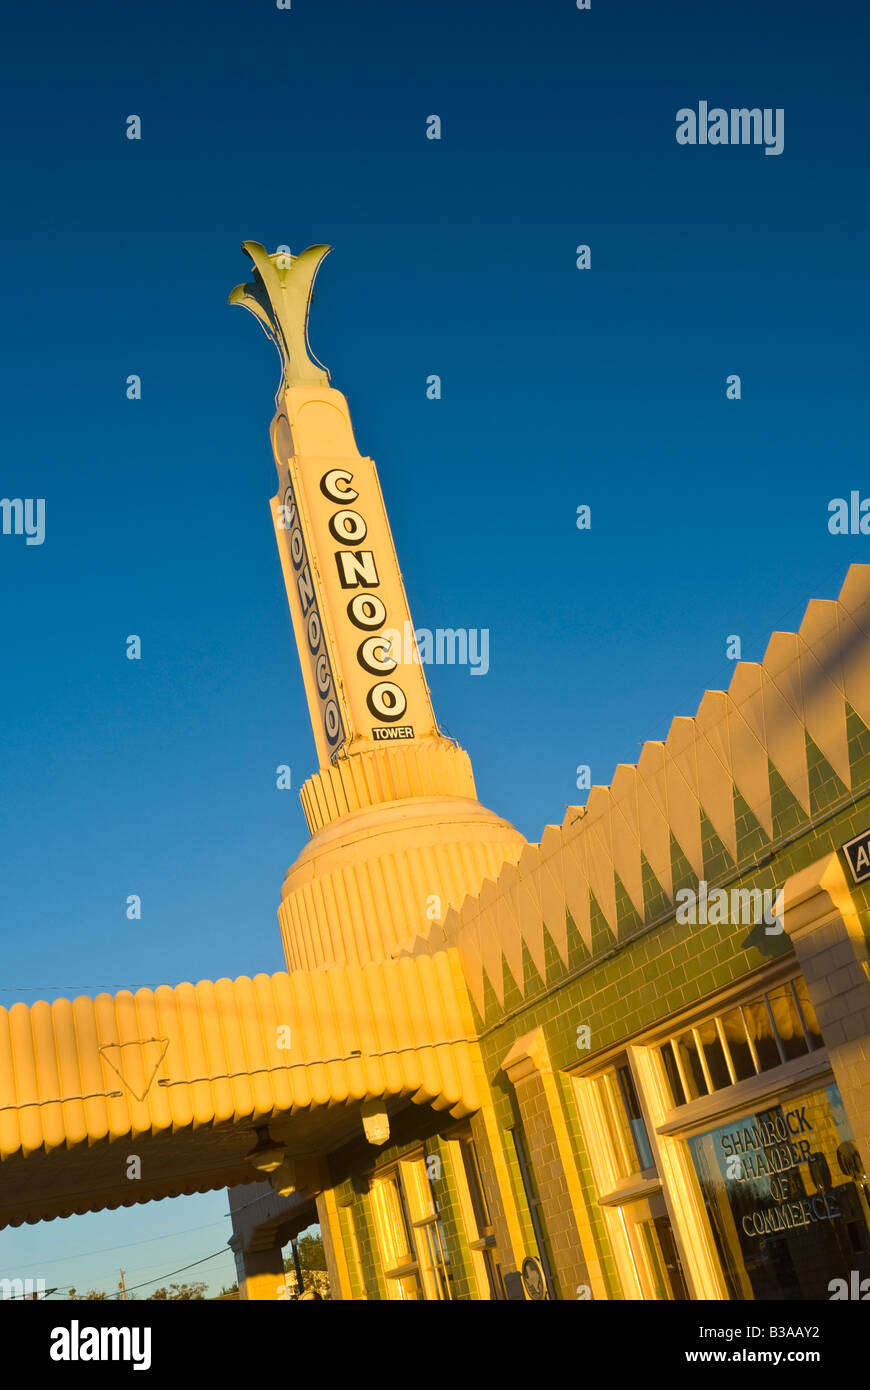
<point>371,880</point>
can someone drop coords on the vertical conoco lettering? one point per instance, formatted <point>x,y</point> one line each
<point>329,486</point>
<point>356,567</point>
<point>306,589</point>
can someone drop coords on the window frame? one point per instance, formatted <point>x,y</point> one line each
<point>760,999</point>
<point>480,1239</point>
<point>429,1262</point>
<point>624,1200</point>
<point>669,1127</point>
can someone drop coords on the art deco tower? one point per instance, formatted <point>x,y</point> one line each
<point>397,833</point>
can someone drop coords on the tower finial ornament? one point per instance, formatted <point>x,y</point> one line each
<point>279,297</point>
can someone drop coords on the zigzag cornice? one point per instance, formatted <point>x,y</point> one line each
<point>801,688</point>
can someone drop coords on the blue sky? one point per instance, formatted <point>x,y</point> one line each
<point>560,387</point>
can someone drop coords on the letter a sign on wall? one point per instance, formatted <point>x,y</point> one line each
<point>857,852</point>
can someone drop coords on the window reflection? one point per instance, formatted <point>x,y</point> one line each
<point>787,1197</point>
<point>775,1028</point>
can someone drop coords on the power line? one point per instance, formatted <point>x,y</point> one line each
<point>159,1277</point>
<point>130,1244</point>
<point>205,1258</point>
<point>127,1245</point>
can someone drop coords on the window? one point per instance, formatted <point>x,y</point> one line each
<point>428,1230</point>
<point>628,1185</point>
<point>410,1234</point>
<point>476,1218</point>
<point>764,1033</point>
<point>654,1251</point>
<point>628,1136</point>
<point>534,1205</point>
<point>786,1197</point>
<point>398,1259</point>
<point>745,1145</point>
